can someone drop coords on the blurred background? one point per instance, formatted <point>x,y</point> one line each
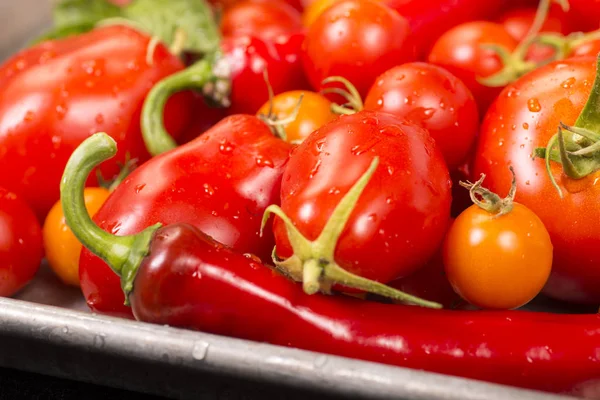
<point>20,20</point>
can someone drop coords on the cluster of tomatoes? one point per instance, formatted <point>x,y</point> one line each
<point>394,112</point>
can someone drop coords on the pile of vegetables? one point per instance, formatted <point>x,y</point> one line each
<point>381,180</point>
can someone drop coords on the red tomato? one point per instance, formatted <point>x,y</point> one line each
<point>525,116</point>
<point>357,40</point>
<point>460,51</point>
<point>400,218</point>
<point>585,14</point>
<point>433,98</point>
<point>249,57</point>
<point>21,248</point>
<point>591,48</point>
<point>518,21</point>
<point>263,19</point>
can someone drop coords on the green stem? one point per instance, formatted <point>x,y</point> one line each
<point>354,102</point>
<point>589,118</point>
<point>122,253</point>
<point>209,76</point>
<point>490,201</point>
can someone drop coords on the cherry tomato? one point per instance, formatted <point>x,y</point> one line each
<point>498,262</point>
<point>517,22</point>
<point>585,14</point>
<point>460,51</point>
<point>433,98</point>
<point>525,116</point>
<point>357,40</point>
<point>21,249</point>
<point>62,247</point>
<point>249,57</point>
<point>225,4</point>
<point>314,112</point>
<point>399,219</point>
<point>263,19</point>
<point>316,8</point>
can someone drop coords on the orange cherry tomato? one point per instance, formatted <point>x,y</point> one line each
<point>312,12</point>
<point>314,112</point>
<point>498,261</point>
<point>62,247</point>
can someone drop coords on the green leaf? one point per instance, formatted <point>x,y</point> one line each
<point>164,18</point>
<point>69,13</point>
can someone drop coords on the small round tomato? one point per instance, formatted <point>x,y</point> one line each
<point>21,249</point>
<point>357,40</point>
<point>460,51</point>
<point>263,19</point>
<point>517,22</point>
<point>497,259</point>
<point>62,247</point>
<point>314,112</point>
<point>433,98</point>
<point>316,8</point>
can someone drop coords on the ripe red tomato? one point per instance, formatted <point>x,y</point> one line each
<point>585,14</point>
<point>400,218</point>
<point>357,40</point>
<point>433,98</point>
<point>460,51</point>
<point>525,116</point>
<point>249,57</point>
<point>21,248</point>
<point>517,22</point>
<point>591,48</point>
<point>263,19</point>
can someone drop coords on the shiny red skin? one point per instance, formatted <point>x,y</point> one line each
<point>221,183</point>
<point>190,281</point>
<point>430,19</point>
<point>358,40</point>
<point>586,49</point>
<point>56,94</point>
<point>524,117</point>
<point>21,248</point>
<point>248,56</point>
<point>400,218</point>
<point>263,19</point>
<point>459,51</point>
<point>431,97</point>
<point>517,22</point>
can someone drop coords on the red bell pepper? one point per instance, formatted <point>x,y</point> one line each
<point>429,19</point>
<point>179,276</point>
<point>57,93</point>
<point>221,182</point>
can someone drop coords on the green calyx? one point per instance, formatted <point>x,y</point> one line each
<point>123,254</point>
<point>165,20</point>
<point>490,201</point>
<point>576,148</point>
<point>313,262</point>
<point>353,103</point>
<point>514,63</point>
<point>209,76</point>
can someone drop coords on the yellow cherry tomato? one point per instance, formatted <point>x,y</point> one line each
<point>314,112</point>
<point>62,247</point>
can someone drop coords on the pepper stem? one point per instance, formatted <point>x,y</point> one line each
<point>210,76</point>
<point>490,201</point>
<point>313,262</point>
<point>122,253</point>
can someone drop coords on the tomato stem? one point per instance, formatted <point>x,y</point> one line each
<point>490,201</point>
<point>313,262</point>
<point>209,76</point>
<point>122,253</point>
<point>353,103</point>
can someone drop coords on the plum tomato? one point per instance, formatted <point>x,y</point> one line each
<point>433,98</point>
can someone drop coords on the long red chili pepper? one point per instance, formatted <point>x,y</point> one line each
<point>179,276</point>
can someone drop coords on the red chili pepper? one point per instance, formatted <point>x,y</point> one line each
<point>179,276</point>
<point>429,19</point>
<point>57,93</point>
<point>221,182</point>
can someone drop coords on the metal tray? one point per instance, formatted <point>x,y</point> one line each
<point>48,329</point>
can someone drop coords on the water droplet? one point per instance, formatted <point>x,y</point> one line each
<point>525,125</point>
<point>513,127</point>
<point>442,105</point>
<point>527,182</point>
<point>568,83</point>
<point>501,143</point>
<point>389,200</point>
<point>380,102</point>
<point>390,170</point>
<point>264,162</point>
<point>409,101</point>
<point>522,146</point>
<point>314,169</point>
<point>400,77</point>
<point>209,190</point>
<point>65,329</point>
<point>533,105</point>
<point>319,144</point>
<point>200,350</point>
<point>225,147</point>
<point>61,111</point>
<point>334,191</point>
<point>512,92</point>
<point>140,187</point>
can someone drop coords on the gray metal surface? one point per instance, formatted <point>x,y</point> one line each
<point>48,329</point>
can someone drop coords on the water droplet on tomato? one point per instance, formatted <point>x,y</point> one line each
<point>209,190</point>
<point>512,92</point>
<point>533,105</point>
<point>525,125</point>
<point>262,161</point>
<point>409,100</point>
<point>61,111</point>
<point>140,187</point>
<point>225,147</point>
<point>315,169</point>
<point>442,105</point>
<point>29,115</point>
<point>568,83</point>
<point>56,141</point>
